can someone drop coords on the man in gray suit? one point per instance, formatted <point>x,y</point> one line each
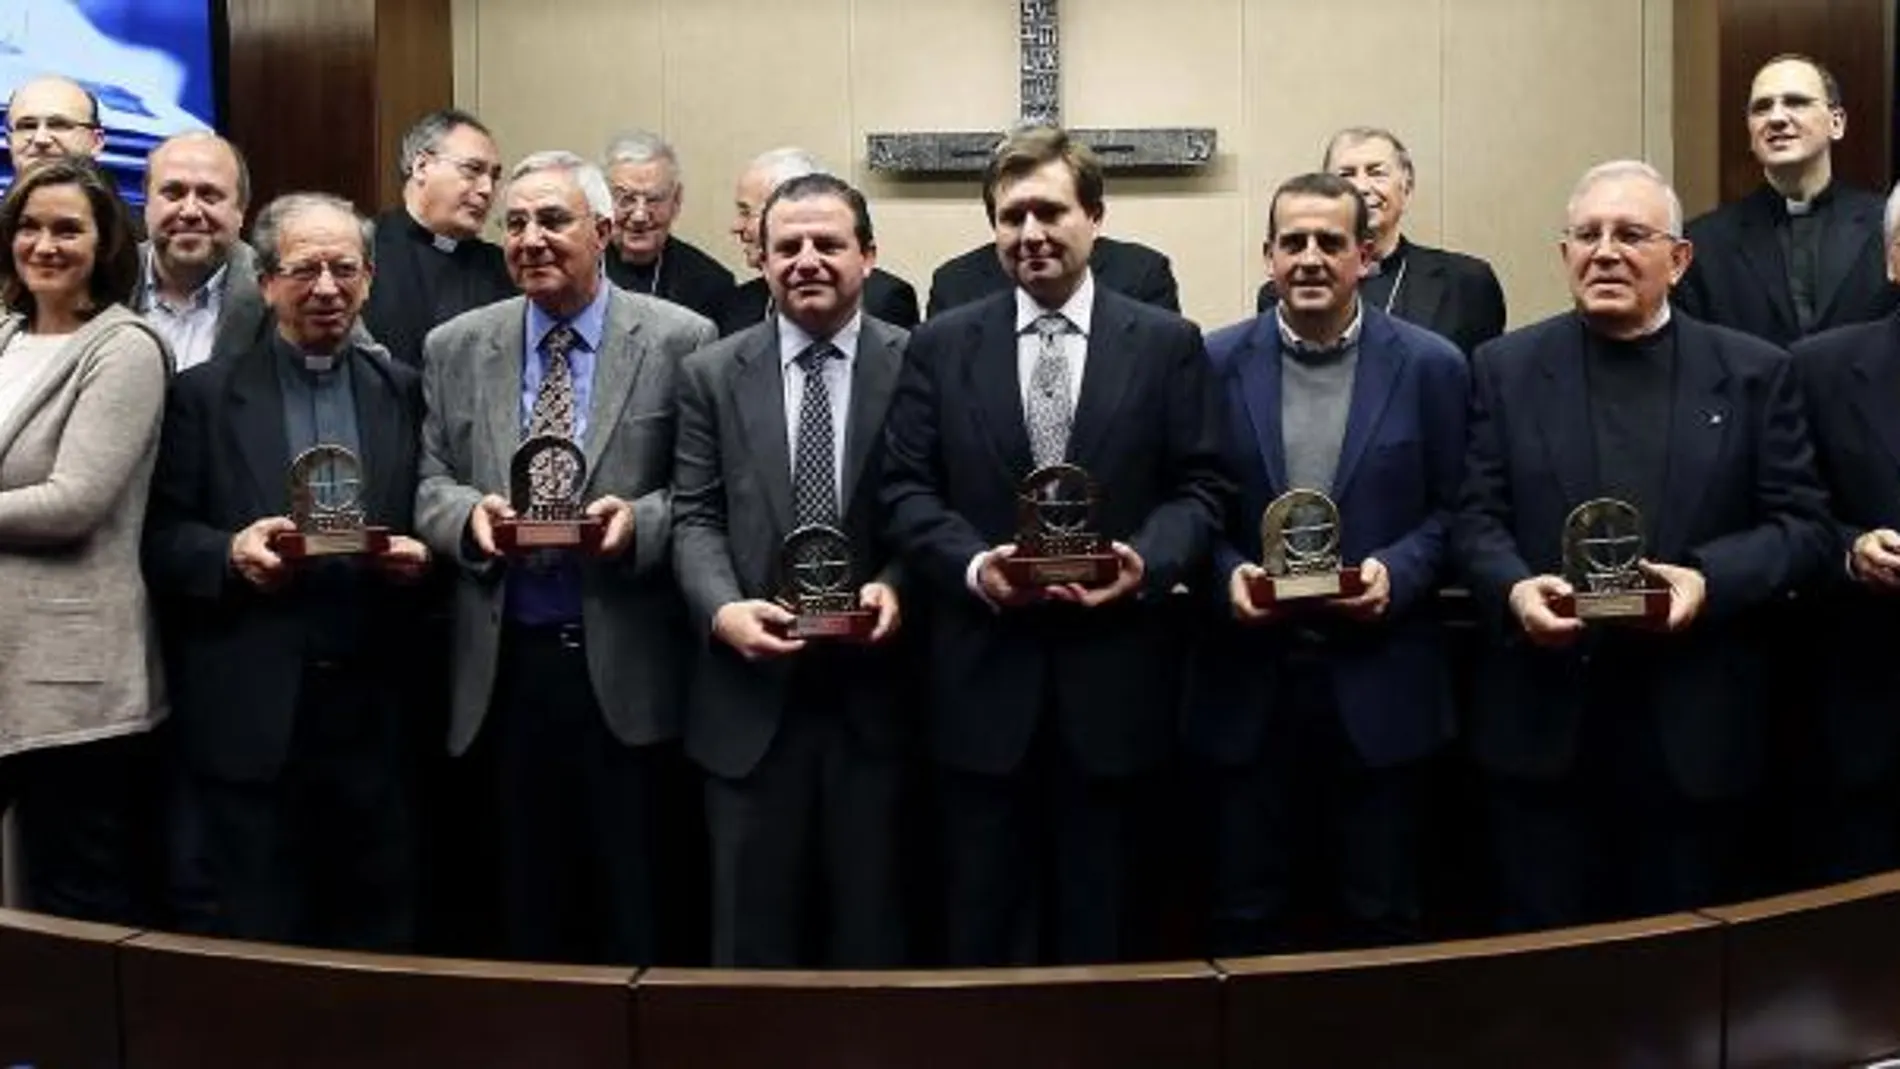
<point>781,428</point>
<point>197,281</point>
<point>568,665</point>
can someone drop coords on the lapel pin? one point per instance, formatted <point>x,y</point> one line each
<point>1715,419</point>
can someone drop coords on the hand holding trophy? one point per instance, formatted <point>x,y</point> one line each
<point>544,488</point>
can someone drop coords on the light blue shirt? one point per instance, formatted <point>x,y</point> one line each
<point>591,326</point>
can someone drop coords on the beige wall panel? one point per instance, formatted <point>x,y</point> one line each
<point>1139,63</point>
<point>914,236</point>
<point>1206,239</point>
<point>1659,90</point>
<point>1534,95</point>
<point>564,73</point>
<point>932,65</point>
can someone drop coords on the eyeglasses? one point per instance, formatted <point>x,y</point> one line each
<point>471,168</point>
<point>627,200</point>
<point>1624,237</point>
<point>343,272</point>
<point>55,125</point>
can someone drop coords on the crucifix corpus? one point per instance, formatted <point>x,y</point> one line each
<point>1119,149</point>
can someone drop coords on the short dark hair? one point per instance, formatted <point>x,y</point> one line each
<point>267,232</point>
<point>115,263</point>
<point>808,186</point>
<point>1029,149</point>
<point>1829,86</point>
<point>1321,184</point>
<point>427,134</point>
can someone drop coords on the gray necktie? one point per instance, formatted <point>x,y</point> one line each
<point>1048,411</point>
<point>553,411</point>
<point>814,478</point>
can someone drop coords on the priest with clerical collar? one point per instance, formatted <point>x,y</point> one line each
<point>432,264</point>
<point>1621,756</point>
<point>1803,252</point>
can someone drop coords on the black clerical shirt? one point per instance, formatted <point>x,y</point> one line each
<point>1803,234</point>
<point>1628,385</point>
<point>423,280</point>
<point>1382,288</point>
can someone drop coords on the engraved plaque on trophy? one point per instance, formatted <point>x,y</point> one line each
<point>1603,540</point>
<point>544,487</point>
<point>1299,551</point>
<point>816,585</point>
<point>1055,509</point>
<point>326,487</point>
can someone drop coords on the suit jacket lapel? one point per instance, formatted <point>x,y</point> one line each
<point>873,377</point>
<point>377,425</point>
<point>616,368</point>
<point>1379,363</point>
<point>1761,249</point>
<point>1422,289</point>
<point>1259,370</point>
<point>1564,418</point>
<point>1699,421</point>
<point>997,385</point>
<point>760,402</point>
<point>498,385</point>
<point>1878,374</point>
<point>257,424</point>
<point>1841,243</point>
<point>1112,353</point>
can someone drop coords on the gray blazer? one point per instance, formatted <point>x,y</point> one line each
<point>243,314</point>
<point>631,608</point>
<point>78,653</point>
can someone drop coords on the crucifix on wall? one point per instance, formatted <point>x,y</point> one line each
<point>1041,101</point>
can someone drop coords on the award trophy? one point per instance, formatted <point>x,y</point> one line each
<point>544,486</point>
<point>326,484</point>
<point>1054,507</point>
<point>816,569</point>
<point>1603,540</point>
<point>1299,551</point>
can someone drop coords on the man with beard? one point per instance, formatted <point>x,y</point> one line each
<point>198,282</point>
<point>643,173</point>
<point>431,265</point>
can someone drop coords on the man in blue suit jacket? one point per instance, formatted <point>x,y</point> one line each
<point>1619,754</point>
<point>1318,715</point>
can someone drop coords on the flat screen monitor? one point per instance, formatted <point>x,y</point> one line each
<point>154,65</point>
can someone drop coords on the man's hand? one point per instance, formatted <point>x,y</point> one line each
<point>1240,594</point>
<point>406,560</point>
<point>482,519</point>
<point>883,598</point>
<point>1530,602</point>
<point>996,586</point>
<point>1688,592</point>
<point>1371,603</point>
<point>1875,559</point>
<point>251,554</point>
<point>750,628</point>
<point>617,539</point>
<point>1126,580</point>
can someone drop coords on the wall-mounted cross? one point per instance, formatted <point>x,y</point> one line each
<point>1041,100</point>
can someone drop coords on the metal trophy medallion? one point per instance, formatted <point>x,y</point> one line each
<point>1299,551</point>
<point>1603,540</point>
<point>1055,509</point>
<point>326,487</point>
<point>816,570</point>
<point>544,487</point>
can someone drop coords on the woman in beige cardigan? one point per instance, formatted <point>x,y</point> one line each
<point>82,388</point>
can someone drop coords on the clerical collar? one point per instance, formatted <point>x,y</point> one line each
<point>442,242</point>
<point>1292,342</point>
<point>1818,202</point>
<point>1391,261</point>
<point>317,365</point>
<point>1659,328</point>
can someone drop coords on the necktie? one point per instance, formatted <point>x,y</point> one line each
<point>553,411</point>
<point>814,478</point>
<point>1048,411</point>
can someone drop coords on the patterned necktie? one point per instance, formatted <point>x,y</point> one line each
<point>1048,410</point>
<point>814,479</point>
<point>553,411</point>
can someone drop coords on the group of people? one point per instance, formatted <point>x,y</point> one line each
<point>154,395</point>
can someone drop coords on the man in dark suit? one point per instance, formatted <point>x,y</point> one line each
<point>289,678</point>
<point>1126,267</point>
<point>886,296</point>
<point>1318,715</point>
<point>197,281</point>
<point>568,663</point>
<point>1617,753</point>
<point>1448,293</point>
<point>431,263</point>
<point>1802,253</point>
<point>1850,802</point>
<point>643,174</point>
<point>1052,706</point>
<point>782,427</point>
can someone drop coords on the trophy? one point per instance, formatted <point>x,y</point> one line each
<point>1603,540</point>
<point>326,484</point>
<point>544,486</point>
<point>1054,508</point>
<point>816,585</point>
<point>1299,551</point>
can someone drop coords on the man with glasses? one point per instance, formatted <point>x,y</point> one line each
<point>643,173</point>
<point>1803,252</point>
<point>52,116</point>
<point>290,679</point>
<point>432,264</point>
<point>1619,753</point>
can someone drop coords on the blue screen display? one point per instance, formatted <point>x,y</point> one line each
<point>150,63</point>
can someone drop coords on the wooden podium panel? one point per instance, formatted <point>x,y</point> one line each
<point>209,1004</point>
<point>1164,1016</point>
<point>59,999</point>
<point>1814,977</point>
<point>1634,996</point>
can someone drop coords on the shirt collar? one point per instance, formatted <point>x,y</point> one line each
<point>793,340</point>
<point>316,366</point>
<point>1346,340</point>
<point>589,325</point>
<point>205,295</point>
<point>1390,261</point>
<point>1077,309</point>
<point>423,234</point>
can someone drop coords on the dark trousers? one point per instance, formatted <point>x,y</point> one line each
<point>1047,864</point>
<point>323,854</point>
<point>79,811</point>
<point>577,810</point>
<point>1309,819</point>
<point>804,849</point>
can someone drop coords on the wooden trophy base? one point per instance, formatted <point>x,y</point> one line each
<point>845,625</point>
<point>518,537</point>
<point>1087,569</point>
<point>1270,590</point>
<point>1648,606</point>
<point>354,541</point>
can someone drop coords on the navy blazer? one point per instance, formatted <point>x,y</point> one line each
<point>1741,504</point>
<point>1396,485</point>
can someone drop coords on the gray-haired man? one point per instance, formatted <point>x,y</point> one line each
<point>643,174</point>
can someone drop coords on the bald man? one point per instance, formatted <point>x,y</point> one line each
<point>53,116</point>
<point>197,280</point>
